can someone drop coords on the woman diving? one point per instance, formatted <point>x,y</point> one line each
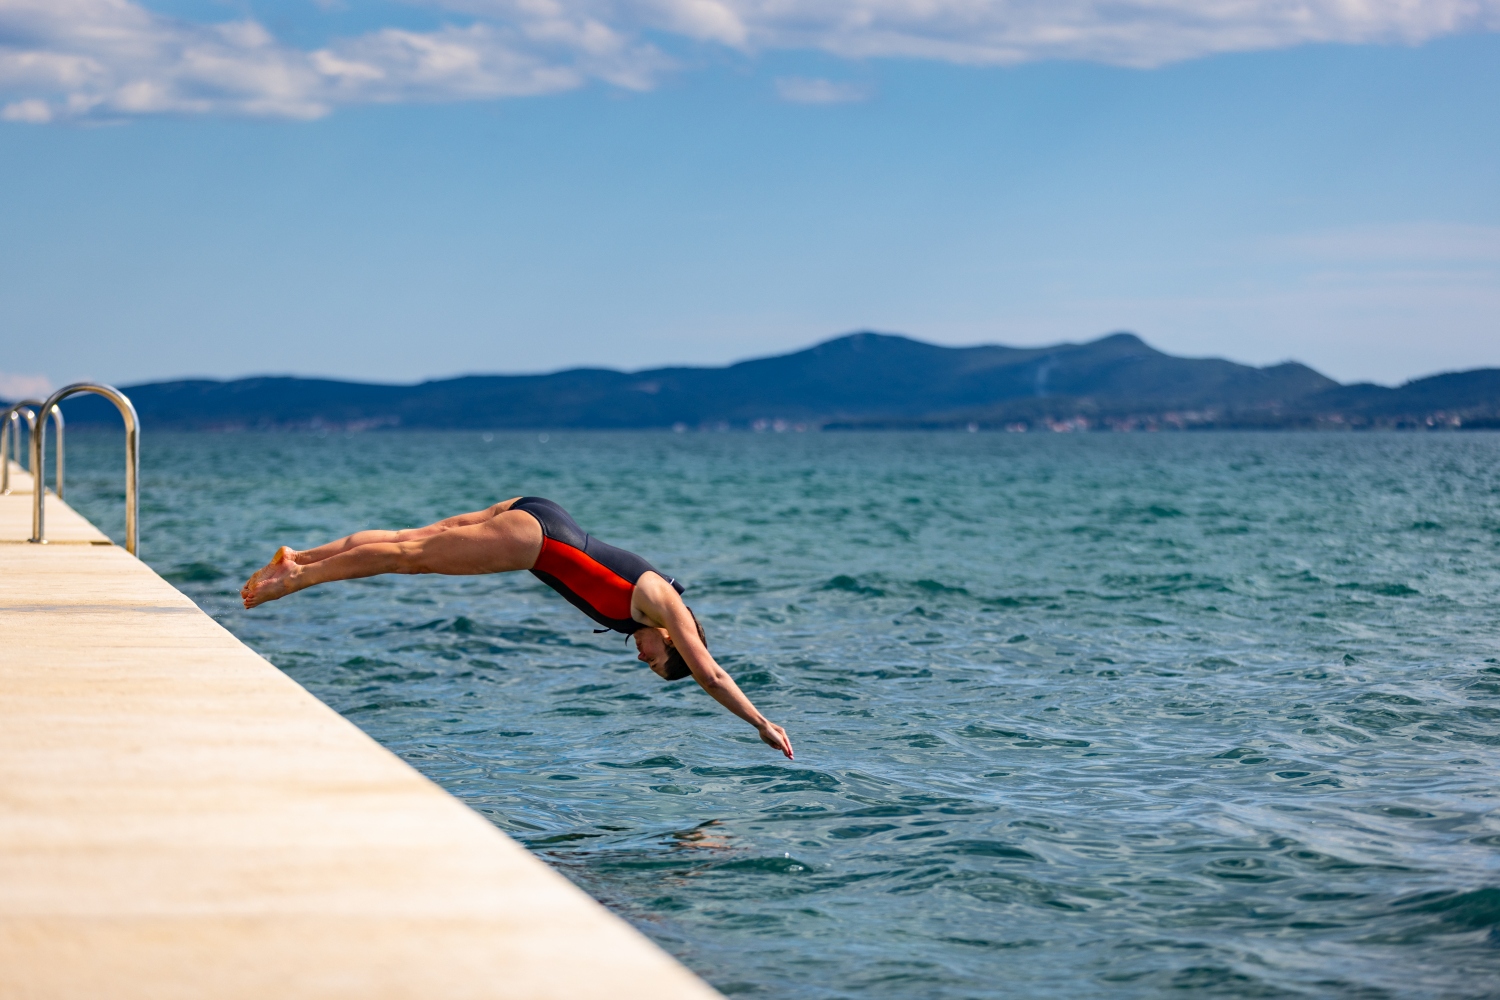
<point>618,589</point>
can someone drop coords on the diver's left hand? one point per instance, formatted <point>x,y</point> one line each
<point>775,737</point>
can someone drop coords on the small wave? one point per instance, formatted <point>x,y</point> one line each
<point>747,585</point>
<point>934,587</point>
<point>978,731</point>
<point>895,673</point>
<point>1243,755</point>
<point>1017,601</point>
<point>195,572</point>
<point>1243,870</point>
<point>986,943</point>
<point>379,706</point>
<point>790,779</point>
<point>562,838</point>
<point>663,760</point>
<point>1144,513</point>
<point>987,849</point>
<point>850,585</point>
<point>872,812</point>
<point>756,680</point>
<point>769,866</point>
<point>1166,583</point>
<point>676,789</point>
<point>466,627</point>
<point>368,663</point>
<point>824,693</point>
<point>1383,589</point>
<point>858,832</point>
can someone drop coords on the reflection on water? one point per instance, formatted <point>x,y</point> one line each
<point>1074,716</point>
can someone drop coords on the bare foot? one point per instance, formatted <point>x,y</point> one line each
<point>260,574</point>
<point>274,579</point>
<point>265,570</point>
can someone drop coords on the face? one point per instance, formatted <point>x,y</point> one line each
<point>651,648</point>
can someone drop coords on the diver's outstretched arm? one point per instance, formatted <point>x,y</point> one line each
<point>661,603</point>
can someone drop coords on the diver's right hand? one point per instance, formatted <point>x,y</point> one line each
<point>775,737</point>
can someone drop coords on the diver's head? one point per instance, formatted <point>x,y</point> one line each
<point>655,649</point>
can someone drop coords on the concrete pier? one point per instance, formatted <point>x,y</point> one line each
<point>179,819</point>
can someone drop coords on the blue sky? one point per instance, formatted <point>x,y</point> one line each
<point>396,191</point>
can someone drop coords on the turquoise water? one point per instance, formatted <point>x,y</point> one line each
<point>1075,716</point>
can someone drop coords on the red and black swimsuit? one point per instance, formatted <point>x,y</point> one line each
<point>596,578</point>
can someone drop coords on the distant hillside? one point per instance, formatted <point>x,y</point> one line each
<point>860,380</point>
<point>1458,399</point>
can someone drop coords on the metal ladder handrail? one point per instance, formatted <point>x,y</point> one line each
<point>10,440</point>
<point>132,459</point>
<point>10,433</point>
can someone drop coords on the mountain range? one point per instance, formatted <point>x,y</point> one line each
<point>862,380</point>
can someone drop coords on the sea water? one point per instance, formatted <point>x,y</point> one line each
<point>1075,715</point>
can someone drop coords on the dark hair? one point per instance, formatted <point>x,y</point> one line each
<point>677,667</point>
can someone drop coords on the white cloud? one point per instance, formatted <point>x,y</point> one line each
<point>100,59</point>
<point>804,90</point>
<point>34,111</point>
<point>72,59</point>
<point>1139,33</point>
<point>14,387</point>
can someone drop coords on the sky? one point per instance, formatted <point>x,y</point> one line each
<point>395,191</point>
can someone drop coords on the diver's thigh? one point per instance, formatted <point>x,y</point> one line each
<point>462,520</point>
<point>506,542</point>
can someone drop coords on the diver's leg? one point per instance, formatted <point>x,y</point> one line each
<point>510,540</point>
<point>359,538</point>
<point>288,554</point>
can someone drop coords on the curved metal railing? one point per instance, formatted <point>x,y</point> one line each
<point>10,439</point>
<point>132,459</point>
